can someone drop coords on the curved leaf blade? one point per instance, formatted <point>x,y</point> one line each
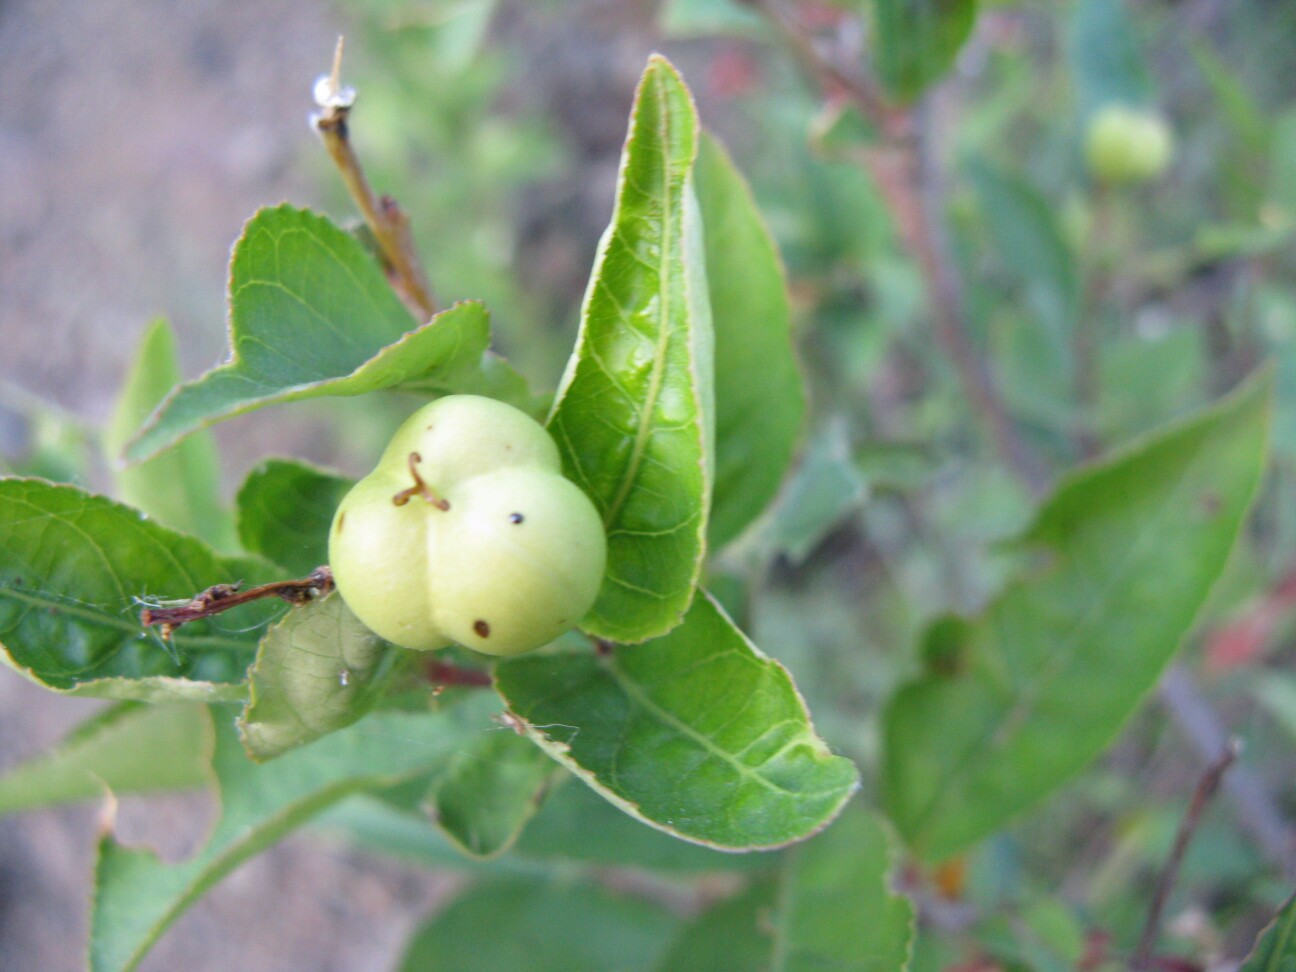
<point>1275,948</point>
<point>696,733</point>
<point>285,509</point>
<point>128,748</point>
<point>316,671</point>
<point>178,487</point>
<point>311,314</point>
<point>73,567</point>
<point>917,41</point>
<point>138,896</point>
<point>760,404</point>
<point>634,414</point>
<point>1016,701</point>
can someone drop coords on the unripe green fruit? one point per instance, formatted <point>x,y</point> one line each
<point>1128,145</point>
<point>467,532</point>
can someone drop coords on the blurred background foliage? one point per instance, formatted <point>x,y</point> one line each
<point>1101,311</point>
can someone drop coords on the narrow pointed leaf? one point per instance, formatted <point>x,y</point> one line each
<point>830,907</point>
<point>916,41</point>
<point>316,671</point>
<point>541,926</point>
<point>1275,949</point>
<point>284,512</point>
<point>74,568</point>
<point>494,786</point>
<point>760,403</point>
<point>179,487</point>
<point>311,314</point>
<point>129,748</point>
<point>696,733</point>
<point>634,416</point>
<point>1122,557</point>
<point>138,896</point>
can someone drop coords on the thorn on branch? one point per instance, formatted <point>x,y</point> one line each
<point>223,597</point>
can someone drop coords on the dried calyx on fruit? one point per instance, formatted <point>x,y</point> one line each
<point>466,532</point>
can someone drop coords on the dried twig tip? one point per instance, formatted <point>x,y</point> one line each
<point>329,92</point>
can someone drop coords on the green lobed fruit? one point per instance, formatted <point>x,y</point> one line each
<point>467,532</point>
<point>1128,145</point>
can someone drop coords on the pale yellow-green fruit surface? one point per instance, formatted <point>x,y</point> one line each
<point>515,560</point>
<point>1126,145</point>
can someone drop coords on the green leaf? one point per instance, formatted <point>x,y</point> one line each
<point>1016,701</point>
<point>916,41</point>
<point>696,733</point>
<point>1024,230</point>
<point>311,314</point>
<point>127,748</point>
<point>1106,63</point>
<point>316,671</point>
<point>1275,949</point>
<point>759,401</point>
<point>700,18</point>
<point>831,907</point>
<point>495,785</point>
<point>541,926</point>
<point>634,414</point>
<point>179,488</point>
<point>285,509</point>
<point>138,896</point>
<point>74,569</point>
<point>826,488</point>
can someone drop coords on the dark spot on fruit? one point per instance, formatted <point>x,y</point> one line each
<point>482,628</point>
<point>341,521</point>
<point>515,518</point>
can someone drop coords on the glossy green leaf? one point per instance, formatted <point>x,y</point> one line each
<point>285,509</point>
<point>493,787</point>
<point>138,896</point>
<point>1024,231</point>
<point>830,907</point>
<point>311,314</point>
<point>180,487</point>
<point>316,671</point>
<point>634,414</point>
<point>1106,63</point>
<point>1275,949</point>
<point>1120,560</point>
<point>541,926</point>
<point>916,41</point>
<point>696,733</point>
<point>128,748</point>
<point>759,401</point>
<point>74,571</point>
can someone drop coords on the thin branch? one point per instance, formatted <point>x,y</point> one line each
<point>1206,788</point>
<point>223,597</point>
<point>387,221</point>
<point>443,674</point>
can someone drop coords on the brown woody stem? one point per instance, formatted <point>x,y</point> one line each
<point>385,218</point>
<point>223,597</point>
<point>442,674</point>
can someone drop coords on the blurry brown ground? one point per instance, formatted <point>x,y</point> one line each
<point>136,136</point>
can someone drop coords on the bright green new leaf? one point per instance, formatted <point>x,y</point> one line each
<point>285,509</point>
<point>179,487</point>
<point>634,417</point>
<point>490,791</point>
<point>138,896</point>
<point>1275,949</point>
<point>1106,63</point>
<point>316,671</point>
<point>128,748</point>
<point>758,396</point>
<point>541,926</point>
<point>831,907</point>
<point>696,733</point>
<point>76,568</point>
<point>1013,703</point>
<point>311,314</point>
<point>916,41</point>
